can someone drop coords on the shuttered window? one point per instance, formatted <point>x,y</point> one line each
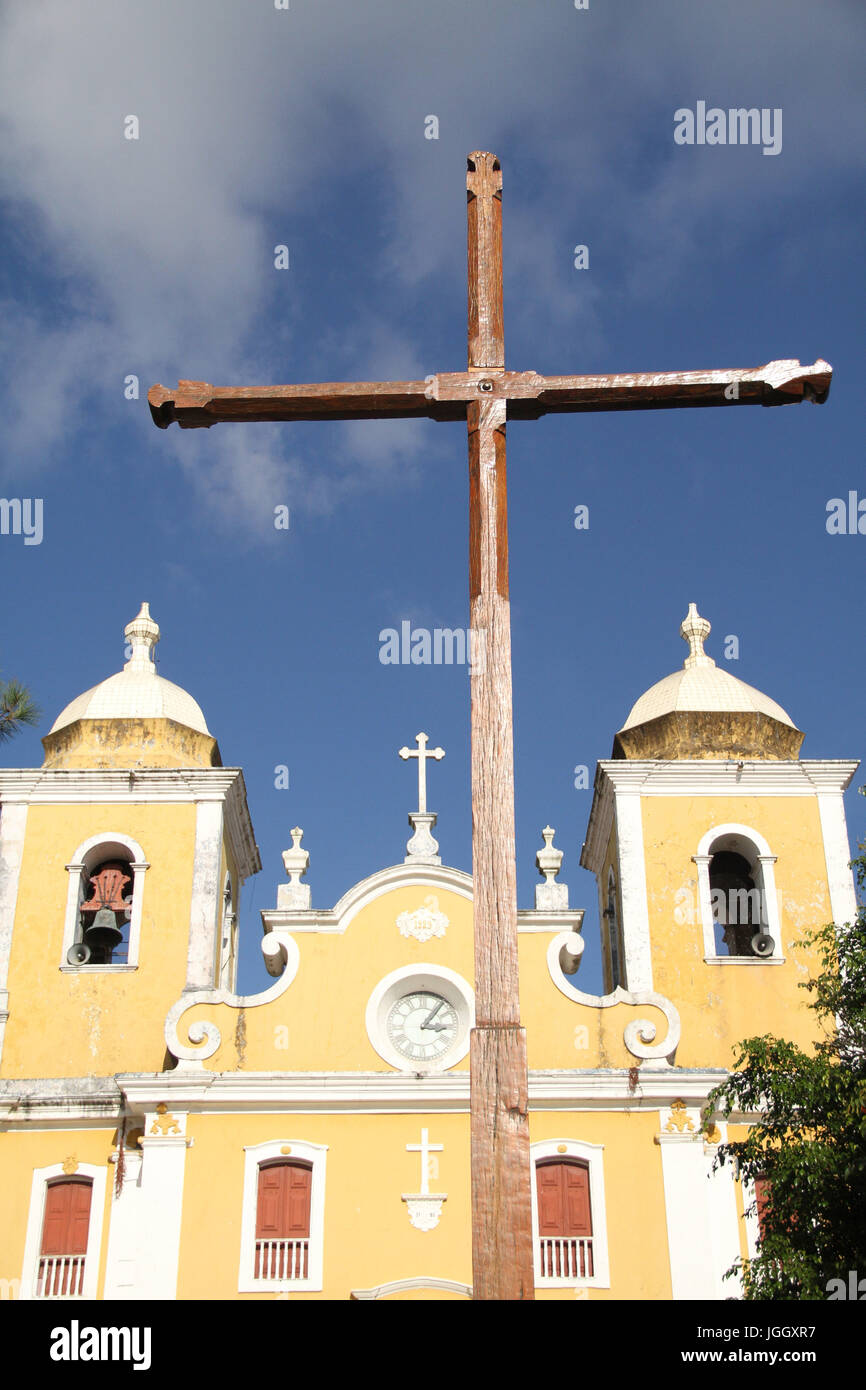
<point>65,1229</point>
<point>283,1220</point>
<point>564,1219</point>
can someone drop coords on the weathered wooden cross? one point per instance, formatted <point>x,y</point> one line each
<point>485,396</point>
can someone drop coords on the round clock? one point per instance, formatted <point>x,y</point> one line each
<point>422,1026</point>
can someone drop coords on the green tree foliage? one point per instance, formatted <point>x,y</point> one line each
<point>17,708</point>
<point>808,1142</point>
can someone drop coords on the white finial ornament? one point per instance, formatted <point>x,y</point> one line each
<point>422,847</point>
<point>695,630</point>
<point>296,861</point>
<point>550,896</point>
<point>142,635</point>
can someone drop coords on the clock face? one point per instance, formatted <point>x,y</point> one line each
<point>422,1026</point>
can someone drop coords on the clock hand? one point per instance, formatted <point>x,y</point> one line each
<point>432,1014</point>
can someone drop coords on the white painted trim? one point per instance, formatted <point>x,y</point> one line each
<point>724,1221</point>
<point>753,962</point>
<point>206,898</point>
<point>13,824</point>
<point>76,869</point>
<point>734,828</point>
<point>255,1154</point>
<point>700,1207</point>
<point>420,1282</point>
<point>637,946</point>
<point>405,981</point>
<point>593,1156</point>
<point>762,860</point>
<point>123,1256</point>
<point>160,1206</point>
<point>36,1215</point>
<point>837,854</point>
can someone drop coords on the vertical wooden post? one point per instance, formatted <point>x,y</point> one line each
<point>502,1263</point>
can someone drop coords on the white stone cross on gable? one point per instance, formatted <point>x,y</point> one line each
<point>422,753</point>
<point>425,1149</point>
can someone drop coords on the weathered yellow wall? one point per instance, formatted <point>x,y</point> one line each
<point>368,1236</point>
<point>720,1004</point>
<point>81,1023</point>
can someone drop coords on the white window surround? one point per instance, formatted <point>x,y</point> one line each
<point>592,1155</point>
<point>762,859</point>
<point>36,1215</point>
<point>407,979</point>
<point>84,860</point>
<point>254,1155</point>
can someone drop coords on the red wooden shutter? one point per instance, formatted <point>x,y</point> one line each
<point>65,1228</point>
<point>564,1217</point>
<point>67,1217</point>
<point>283,1214</point>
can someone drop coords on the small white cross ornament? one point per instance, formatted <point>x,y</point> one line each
<point>425,1149</point>
<point>422,753</point>
<point>424,1207</point>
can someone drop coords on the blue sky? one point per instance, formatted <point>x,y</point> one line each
<point>306,127</point>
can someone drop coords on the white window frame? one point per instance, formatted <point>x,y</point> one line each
<point>593,1156</point>
<point>763,860</point>
<point>77,869</point>
<point>35,1220</point>
<point>254,1156</point>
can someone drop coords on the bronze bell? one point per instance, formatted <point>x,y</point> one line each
<point>103,936</point>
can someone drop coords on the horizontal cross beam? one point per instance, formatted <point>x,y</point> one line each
<point>445,396</point>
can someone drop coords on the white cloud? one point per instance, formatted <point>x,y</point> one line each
<point>161,248</point>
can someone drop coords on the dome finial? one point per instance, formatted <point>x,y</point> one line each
<point>142,635</point>
<point>695,630</point>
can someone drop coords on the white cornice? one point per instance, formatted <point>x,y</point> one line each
<point>707,777</point>
<point>88,784</point>
<point>385,1092</point>
<point>406,875</point>
<point>54,1101</point>
<point>702,777</point>
<point>159,785</point>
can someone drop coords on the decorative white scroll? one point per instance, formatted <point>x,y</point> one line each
<point>639,1035</point>
<point>206,1034</point>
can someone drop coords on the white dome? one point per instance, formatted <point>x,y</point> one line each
<point>702,688</point>
<point>136,692</point>
<point>701,685</point>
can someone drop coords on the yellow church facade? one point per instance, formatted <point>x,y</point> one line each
<point>162,1137</point>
